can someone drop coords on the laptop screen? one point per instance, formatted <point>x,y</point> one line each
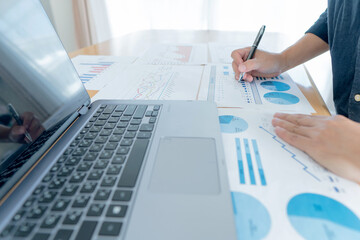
<point>39,86</point>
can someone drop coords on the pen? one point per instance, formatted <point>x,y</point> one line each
<point>18,120</point>
<point>254,47</point>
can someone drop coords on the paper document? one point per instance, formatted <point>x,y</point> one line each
<point>175,54</point>
<point>221,52</point>
<point>278,93</point>
<point>92,69</point>
<point>278,191</point>
<point>153,82</point>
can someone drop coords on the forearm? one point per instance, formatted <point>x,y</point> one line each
<point>308,47</point>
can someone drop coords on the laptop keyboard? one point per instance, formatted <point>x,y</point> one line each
<point>89,190</point>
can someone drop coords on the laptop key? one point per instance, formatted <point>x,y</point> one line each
<point>113,170</point>
<point>84,167</point>
<point>140,111</point>
<point>50,221</point>
<point>110,229</point>
<point>57,183</point>
<point>69,190</point>
<point>129,111</point>
<point>72,218</point>
<point>81,201</point>
<point>109,109</point>
<point>116,211</point>
<point>144,135</point>
<point>18,215</point>
<point>78,177</point>
<point>63,234</point>
<point>47,197</point>
<point>86,230</point>
<point>102,194</point>
<point>123,150</point>
<point>120,108</point>
<point>95,210</point>
<point>108,181</point>
<point>119,131</point>
<point>60,205</point>
<point>91,156</point>
<point>122,195</point>
<point>133,164</point>
<point>25,229</point>
<point>95,175</point>
<point>118,159</point>
<point>7,231</point>
<point>88,187</point>
<point>36,212</point>
<point>41,236</point>
<point>146,127</point>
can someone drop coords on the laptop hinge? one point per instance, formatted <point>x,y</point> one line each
<point>84,109</point>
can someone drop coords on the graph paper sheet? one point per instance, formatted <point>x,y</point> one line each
<point>175,54</point>
<point>278,93</point>
<point>153,82</point>
<point>92,69</point>
<point>278,191</point>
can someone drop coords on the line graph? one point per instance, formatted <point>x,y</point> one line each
<point>293,155</point>
<point>155,85</point>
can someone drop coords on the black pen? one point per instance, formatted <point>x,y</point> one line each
<point>254,47</point>
<point>18,120</point>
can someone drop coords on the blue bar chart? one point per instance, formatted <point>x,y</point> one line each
<point>249,162</point>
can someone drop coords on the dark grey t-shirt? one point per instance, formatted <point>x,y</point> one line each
<point>339,26</point>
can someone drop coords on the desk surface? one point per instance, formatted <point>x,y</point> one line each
<point>134,44</point>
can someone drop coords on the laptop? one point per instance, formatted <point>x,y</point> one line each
<point>114,169</point>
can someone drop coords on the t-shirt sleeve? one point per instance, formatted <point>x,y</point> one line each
<point>320,27</point>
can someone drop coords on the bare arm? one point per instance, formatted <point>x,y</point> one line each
<point>265,64</point>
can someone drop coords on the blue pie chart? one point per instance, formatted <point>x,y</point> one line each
<point>252,219</point>
<point>281,98</point>
<point>275,86</point>
<point>316,216</point>
<point>232,124</point>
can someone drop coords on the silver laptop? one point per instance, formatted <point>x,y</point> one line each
<point>72,169</point>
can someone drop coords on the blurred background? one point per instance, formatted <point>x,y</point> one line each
<point>81,23</point>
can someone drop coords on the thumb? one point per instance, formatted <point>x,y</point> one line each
<point>249,65</point>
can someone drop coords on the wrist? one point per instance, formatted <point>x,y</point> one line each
<point>284,64</point>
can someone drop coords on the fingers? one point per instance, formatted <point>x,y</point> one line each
<point>239,56</point>
<point>27,119</point>
<point>299,119</point>
<point>298,141</point>
<point>236,70</point>
<point>292,127</point>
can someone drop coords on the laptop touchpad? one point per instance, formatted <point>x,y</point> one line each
<point>186,166</point>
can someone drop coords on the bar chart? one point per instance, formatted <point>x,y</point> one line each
<point>249,162</point>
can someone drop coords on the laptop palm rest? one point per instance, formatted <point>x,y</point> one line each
<point>186,166</point>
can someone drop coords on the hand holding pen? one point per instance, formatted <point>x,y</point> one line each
<point>19,121</point>
<point>253,62</point>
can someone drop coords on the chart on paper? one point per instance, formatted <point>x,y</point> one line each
<point>272,179</point>
<point>175,54</point>
<point>278,93</point>
<point>92,70</point>
<point>154,82</point>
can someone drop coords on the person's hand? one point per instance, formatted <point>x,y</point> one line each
<point>30,124</point>
<point>331,141</point>
<point>263,64</point>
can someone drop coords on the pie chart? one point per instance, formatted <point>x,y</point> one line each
<point>252,219</point>
<point>232,124</point>
<point>281,98</point>
<point>316,216</point>
<point>275,86</point>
